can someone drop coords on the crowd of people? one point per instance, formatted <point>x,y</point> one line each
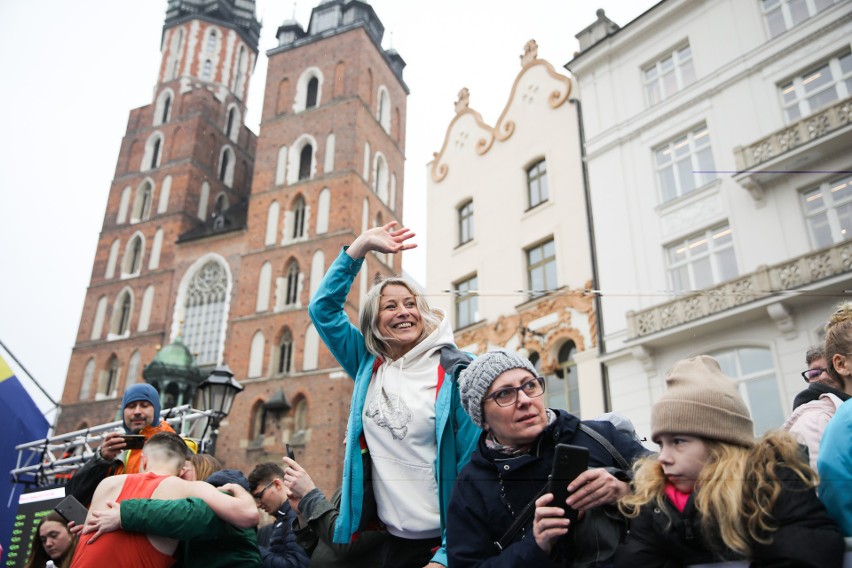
<point>449,461</point>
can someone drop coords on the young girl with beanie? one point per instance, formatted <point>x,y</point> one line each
<point>714,494</point>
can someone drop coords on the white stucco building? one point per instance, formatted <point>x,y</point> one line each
<point>718,137</point>
<point>508,242</point>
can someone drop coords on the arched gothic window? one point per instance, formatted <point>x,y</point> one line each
<point>285,353</point>
<point>305,158</point>
<point>292,293</point>
<point>311,95</point>
<point>204,312</point>
<point>299,217</point>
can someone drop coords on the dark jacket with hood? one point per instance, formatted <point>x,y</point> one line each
<point>493,488</point>
<point>806,536</point>
<point>814,391</point>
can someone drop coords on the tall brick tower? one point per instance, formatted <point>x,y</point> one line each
<point>220,238</point>
<point>329,164</point>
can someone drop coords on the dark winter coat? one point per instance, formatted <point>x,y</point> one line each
<point>492,489</point>
<point>806,536</point>
<point>283,550</point>
<point>814,391</point>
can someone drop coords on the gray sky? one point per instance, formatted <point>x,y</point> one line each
<point>72,71</point>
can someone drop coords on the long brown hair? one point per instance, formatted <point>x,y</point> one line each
<point>736,489</point>
<point>38,556</point>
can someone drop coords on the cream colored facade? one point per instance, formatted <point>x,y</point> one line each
<point>741,249</point>
<point>484,171</point>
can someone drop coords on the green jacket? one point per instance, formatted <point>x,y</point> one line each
<point>208,541</point>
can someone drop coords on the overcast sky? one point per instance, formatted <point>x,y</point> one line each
<point>73,69</point>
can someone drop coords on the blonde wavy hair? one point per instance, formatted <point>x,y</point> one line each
<point>369,317</point>
<point>838,338</point>
<point>736,489</point>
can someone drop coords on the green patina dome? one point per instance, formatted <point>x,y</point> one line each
<point>174,361</point>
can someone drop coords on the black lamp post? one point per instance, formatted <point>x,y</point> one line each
<point>217,394</point>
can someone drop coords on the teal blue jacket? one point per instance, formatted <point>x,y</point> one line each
<point>455,433</point>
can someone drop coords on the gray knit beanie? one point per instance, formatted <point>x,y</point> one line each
<point>700,400</point>
<point>477,378</point>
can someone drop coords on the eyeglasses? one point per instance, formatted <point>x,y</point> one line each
<point>509,395</point>
<point>811,374</point>
<point>259,495</point>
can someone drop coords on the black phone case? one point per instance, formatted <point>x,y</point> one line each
<point>72,510</point>
<point>290,453</point>
<point>568,462</point>
<point>134,441</point>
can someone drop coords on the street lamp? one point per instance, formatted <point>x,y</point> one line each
<point>217,395</point>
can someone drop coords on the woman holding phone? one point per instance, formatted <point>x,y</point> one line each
<point>509,469</point>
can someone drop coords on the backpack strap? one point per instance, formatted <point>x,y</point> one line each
<point>607,445</point>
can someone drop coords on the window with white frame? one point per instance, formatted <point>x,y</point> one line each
<point>204,312</point>
<point>562,389</point>
<point>754,372</point>
<point>292,292</point>
<point>285,353</point>
<point>685,163</point>
<point>782,15</point>
<point>466,222</point>
<point>668,75</point>
<point>537,184</point>
<point>299,214</point>
<point>820,86</point>
<point>702,260</point>
<point>467,302</point>
<point>541,268</point>
<point>828,211</point>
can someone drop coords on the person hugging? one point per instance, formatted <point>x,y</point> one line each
<point>713,493</point>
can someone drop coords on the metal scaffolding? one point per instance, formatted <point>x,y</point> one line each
<point>39,465</point>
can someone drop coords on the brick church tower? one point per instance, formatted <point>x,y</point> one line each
<point>219,237</point>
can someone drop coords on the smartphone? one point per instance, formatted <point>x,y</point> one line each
<point>290,453</point>
<point>72,510</point>
<point>134,441</point>
<point>568,462</point>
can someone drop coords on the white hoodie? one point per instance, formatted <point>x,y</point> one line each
<point>399,425</point>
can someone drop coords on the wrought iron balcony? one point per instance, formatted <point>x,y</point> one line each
<point>764,282</point>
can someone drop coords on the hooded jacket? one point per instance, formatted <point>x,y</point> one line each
<point>455,433</point>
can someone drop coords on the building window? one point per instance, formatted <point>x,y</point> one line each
<point>311,95</point>
<point>782,15</point>
<point>88,376</point>
<point>818,87</point>
<point>563,387</point>
<point>702,260</point>
<point>204,312</point>
<point>121,320</point>
<point>110,380</point>
<point>223,166</point>
<point>220,205</point>
<point>285,353</point>
<point>257,421</point>
<point>299,210</point>
<point>133,256</point>
<point>229,124</point>
<point>305,160</point>
<point>684,164</point>
<point>752,369</point>
<point>537,184</point>
<point>541,268</point>
<point>292,293</point>
<point>828,212</point>
<point>207,70</point>
<point>142,203</point>
<point>467,302</point>
<point>672,73</point>
<point>466,223</point>
<point>211,41</point>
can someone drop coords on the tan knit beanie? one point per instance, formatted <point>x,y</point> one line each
<point>700,400</point>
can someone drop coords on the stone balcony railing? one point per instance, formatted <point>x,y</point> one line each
<point>764,282</point>
<point>794,135</point>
